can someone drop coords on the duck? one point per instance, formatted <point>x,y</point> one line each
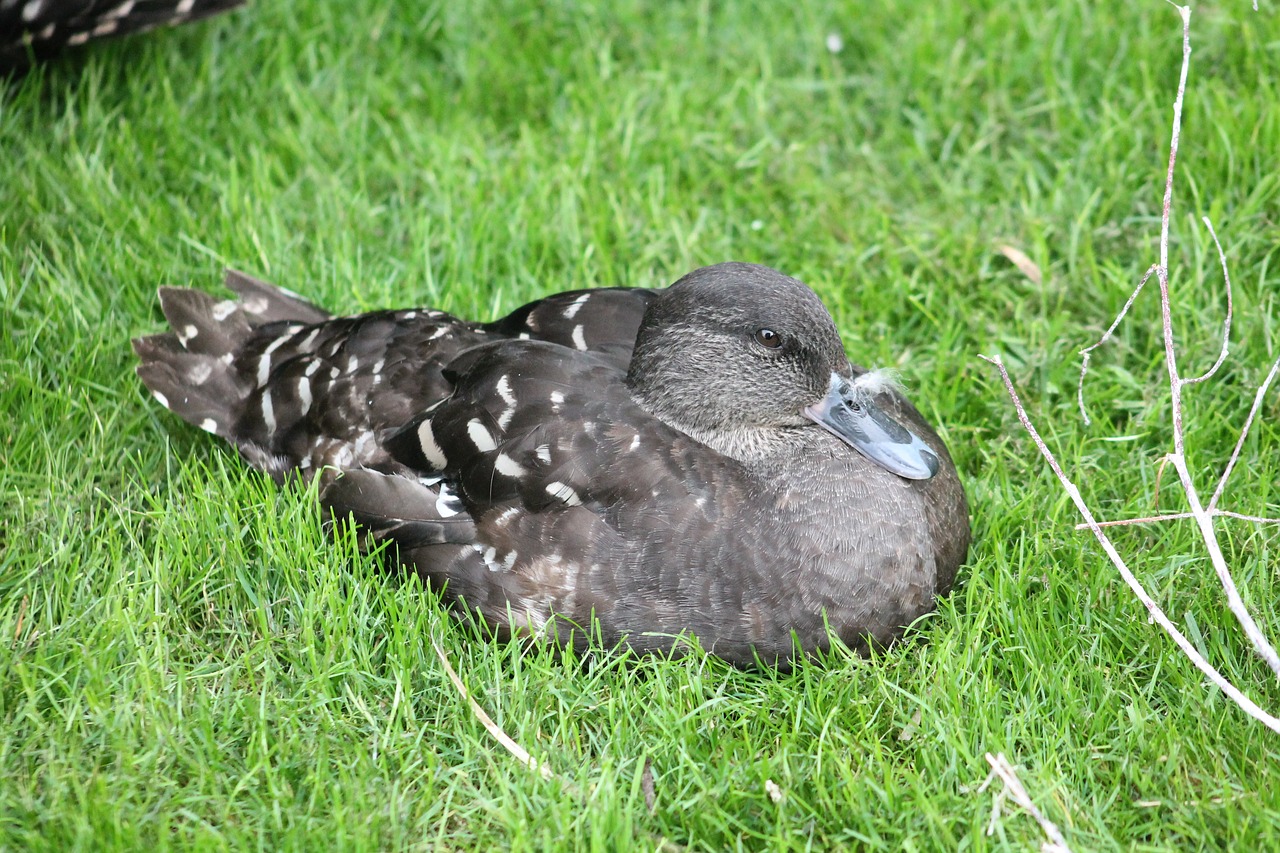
<point>696,466</point>
<point>39,29</point>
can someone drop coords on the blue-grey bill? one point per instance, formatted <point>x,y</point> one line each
<point>850,415</point>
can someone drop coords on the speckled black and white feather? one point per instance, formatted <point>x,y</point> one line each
<point>621,454</point>
<point>37,29</point>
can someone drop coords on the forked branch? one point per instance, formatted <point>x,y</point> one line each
<point>1202,514</point>
<point>1157,615</point>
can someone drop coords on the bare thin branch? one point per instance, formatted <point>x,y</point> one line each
<point>1226,324</point>
<point>1162,270</point>
<point>1203,516</point>
<point>1106,336</point>
<point>1002,769</point>
<point>1244,433</point>
<point>1151,519</point>
<point>1204,520</point>
<point>1256,519</point>
<point>1156,614</point>
<point>494,729</point>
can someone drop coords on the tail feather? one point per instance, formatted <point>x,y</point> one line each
<point>201,323</point>
<point>267,303</point>
<point>192,370</point>
<point>199,388</point>
<point>249,369</point>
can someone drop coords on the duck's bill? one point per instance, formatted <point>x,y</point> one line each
<point>849,414</point>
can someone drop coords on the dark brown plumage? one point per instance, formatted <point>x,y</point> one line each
<point>698,460</point>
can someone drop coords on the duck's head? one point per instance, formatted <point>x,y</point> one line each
<point>740,355</point>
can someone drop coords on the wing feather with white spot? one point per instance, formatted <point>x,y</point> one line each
<point>539,426</point>
<point>409,512</point>
<point>602,320</point>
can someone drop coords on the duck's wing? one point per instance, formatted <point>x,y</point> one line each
<point>298,390</point>
<point>602,320</point>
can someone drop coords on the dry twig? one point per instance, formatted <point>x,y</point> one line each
<point>646,776</point>
<point>22,613</point>
<point>1003,770</point>
<point>1244,433</point>
<point>1201,514</point>
<point>1156,614</point>
<point>494,729</point>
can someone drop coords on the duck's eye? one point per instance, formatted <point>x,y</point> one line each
<point>768,338</point>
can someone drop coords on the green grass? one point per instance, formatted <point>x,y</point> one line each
<point>186,662</point>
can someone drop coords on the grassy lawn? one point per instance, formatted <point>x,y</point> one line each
<point>186,662</point>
